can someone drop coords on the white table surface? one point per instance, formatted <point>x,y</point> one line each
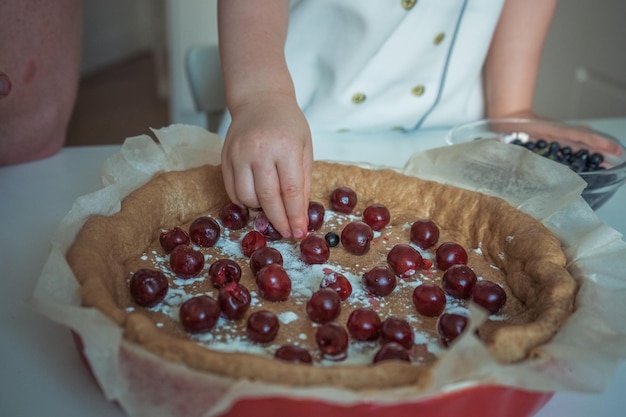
<point>40,372</point>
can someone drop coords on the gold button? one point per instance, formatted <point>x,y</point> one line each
<point>358,98</point>
<point>439,38</point>
<point>418,90</point>
<point>408,4</point>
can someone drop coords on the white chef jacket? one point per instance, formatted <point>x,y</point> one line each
<point>375,65</point>
<point>372,65</point>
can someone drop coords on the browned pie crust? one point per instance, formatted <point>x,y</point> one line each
<point>542,290</point>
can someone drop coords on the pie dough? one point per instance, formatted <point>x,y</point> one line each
<point>504,244</point>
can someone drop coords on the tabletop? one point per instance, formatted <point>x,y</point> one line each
<point>40,372</point>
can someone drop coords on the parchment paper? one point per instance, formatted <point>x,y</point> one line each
<point>580,358</point>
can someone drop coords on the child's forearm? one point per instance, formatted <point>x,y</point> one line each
<point>252,39</point>
<point>513,61</point>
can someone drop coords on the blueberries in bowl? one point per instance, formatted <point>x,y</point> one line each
<point>598,158</point>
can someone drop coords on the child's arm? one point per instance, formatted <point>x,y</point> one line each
<point>513,61</point>
<point>267,155</point>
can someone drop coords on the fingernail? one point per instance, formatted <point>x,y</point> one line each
<point>298,233</point>
<point>5,84</point>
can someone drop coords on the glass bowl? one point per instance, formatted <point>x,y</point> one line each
<point>561,142</point>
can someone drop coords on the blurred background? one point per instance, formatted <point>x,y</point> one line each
<point>133,74</point>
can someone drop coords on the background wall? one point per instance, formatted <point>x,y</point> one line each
<point>117,29</point>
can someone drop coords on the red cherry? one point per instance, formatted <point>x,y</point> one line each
<point>273,283</point>
<point>316,215</point>
<point>364,324</point>
<point>448,254</point>
<point>323,306</point>
<point>392,351</point>
<point>264,256</point>
<point>337,282</point>
<point>343,200</point>
<point>489,295</point>
<point>234,300</point>
<point>224,271</point>
<point>450,326</point>
<point>395,329</point>
<point>377,216</point>
<point>458,281</point>
<point>199,314</point>
<point>295,354</point>
<point>252,241</point>
<point>204,231</point>
<point>332,341</point>
<point>186,261</point>
<point>429,300</point>
<point>356,237</point>
<point>379,281</point>
<point>314,250</point>
<point>234,216</point>
<point>404,260</point>
<point>266,228</point>
<point>148,287</point>
<point>424,233</point>
<point>172,238</point>
<point>262,326</point>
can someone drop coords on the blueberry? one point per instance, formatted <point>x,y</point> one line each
<point>596,158</point>
<point>542,143</point>
<point>554,147</point>
<point>530,145</point>
<point>578,165</point>
<point>332,239</point>
<point>517,141</point>
<point>565,151</point>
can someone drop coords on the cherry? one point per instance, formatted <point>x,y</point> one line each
<point>458,281</point>
<point>356,237</point>
<point>377,216</point>
<point>343,200</point>
<point>252,241</point>
<point>448,254</point>
<point>262,326</point>
<point>404,260</point>
<point>204,231</point>
<point>323,306</point>
<point>223,272</point>
<point>265,227</point>
<point>379,281</point>
<point>316,215</point>
<point>424,233</point>
<point>314,250</point>
<point>489,295</point>
<point>450,326</point>
<point>199,314</point>
<point>234,216</point>
<point>172,238</point>
<point>332,341</point>
<point>392,351</point>
<point>337,282</point>
<point>364,324</point>
<point>429,300</point>
<point>295,354</point>
<point>148,287</point>
<point>264,256</point>
<point>186,261</point>
<point>273,283</point>
<point>234,300</point>
<point>395,329</point>
<point>332,239</point>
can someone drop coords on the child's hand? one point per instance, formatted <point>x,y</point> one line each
<point>267,158</point>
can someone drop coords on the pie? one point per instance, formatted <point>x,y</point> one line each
<point>503,245</point>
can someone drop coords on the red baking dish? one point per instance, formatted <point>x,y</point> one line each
<point>475,401</point>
